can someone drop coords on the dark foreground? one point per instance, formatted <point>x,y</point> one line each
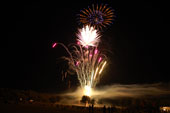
<point>39,108</point>
<point>45,108</point>
<point>16,101</point>
<point>52,108</point>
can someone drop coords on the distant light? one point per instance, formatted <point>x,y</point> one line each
<point>53,46</point>
<point>165,109</point>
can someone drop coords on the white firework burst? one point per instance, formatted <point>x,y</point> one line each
<point>88,36</point>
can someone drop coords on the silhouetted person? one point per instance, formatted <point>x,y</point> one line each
<point>109,109</point>
<point>92,109</point>
<point>113,109</point>
<point>89,108</point>
<point>104,109</point>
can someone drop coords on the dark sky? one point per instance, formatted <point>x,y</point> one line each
<point>136,38</point>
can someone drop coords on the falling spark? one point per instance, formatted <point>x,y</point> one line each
<point>96,72</point>
<point>78,43</point>
<point>91,55</point>
<point>102,67</point>
<point>95,52</point>
<point>54,45</point>
<point>100,59</point>
<point>77,63</point>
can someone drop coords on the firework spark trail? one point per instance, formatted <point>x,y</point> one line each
<point>85,58</point>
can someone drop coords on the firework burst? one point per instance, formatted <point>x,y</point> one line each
<point>97,16</point>
<point>85,58</point>
<point>88,36</point>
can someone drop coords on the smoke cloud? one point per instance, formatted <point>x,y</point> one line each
<point>116,91</point>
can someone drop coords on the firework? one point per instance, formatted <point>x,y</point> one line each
<point>85,58</point>
<point>97,16</point>
<point>53,46</point>
<point>88,36</point>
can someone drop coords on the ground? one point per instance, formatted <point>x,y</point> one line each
<point>17,101</point>
<point>43,108</point>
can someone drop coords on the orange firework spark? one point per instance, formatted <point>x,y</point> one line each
<point>98,17</point>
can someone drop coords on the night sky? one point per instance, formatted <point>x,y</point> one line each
<point>136,39</point>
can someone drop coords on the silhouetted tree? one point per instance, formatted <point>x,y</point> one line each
<point>85,99</point>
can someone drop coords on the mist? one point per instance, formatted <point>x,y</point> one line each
<point>117,91</point>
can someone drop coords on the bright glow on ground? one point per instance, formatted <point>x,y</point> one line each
<point>87,90</point>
